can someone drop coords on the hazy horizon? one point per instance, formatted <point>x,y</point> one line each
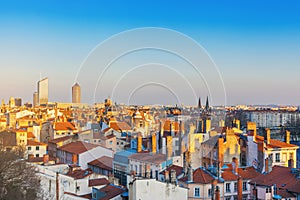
<point>255,46</point>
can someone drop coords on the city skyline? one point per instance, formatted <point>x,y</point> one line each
<point>251,45</point>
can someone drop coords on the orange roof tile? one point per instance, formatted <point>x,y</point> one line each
<point>111,191</point>
<point>35,143</point>
<point>98,181</point>
<point>178,170</point>
<point>104,162</point>
<point>79,174</point>
<point>281,176</point>
<point>276,143</point>
<point>61,139</point>
<point>117,126</point>
<point>200,176</point>
<point>64,126</point>
<point>77,147</point>
<point>30,135</point>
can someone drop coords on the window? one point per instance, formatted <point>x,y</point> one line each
<point>277,157</point>
<point>37,148</point>
<point>197,192</point>
<point>95,141</point>
<point>227,187</point>
<point>227,198</point>
<point>29,148</point>
<point>37,155</point>
<point>268,190</point>
<point>99,140</point>
<point>235,187</point>
<point>78,188</point>
<point>209,192</point>
<point>244,186</point>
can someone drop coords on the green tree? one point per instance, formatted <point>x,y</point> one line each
<point>18,179</point>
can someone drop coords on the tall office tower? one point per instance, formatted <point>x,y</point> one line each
<point>12,102</point>
<point>43,91</point>
<point>76,93</point>
<point>18,101</point>
<point>35,99</point>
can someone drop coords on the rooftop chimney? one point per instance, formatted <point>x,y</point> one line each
<point>235,165</point>
<point>169,146</point>
<point>173,176</point>
<point>148,171</point>
<point>154,143</point>
<point>251,126</point>
<point>287,136</point>
<point>240,188</point>
<point>267,136</point>
<point>74,159</point>
<point>220,151</point>
<point>217,193</point>
<point>167,176</point>
<point>190,173</point>
<point>139,143</point>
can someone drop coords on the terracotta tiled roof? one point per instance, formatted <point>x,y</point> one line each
<point>30,135</point>
<point>77,147</point>
<point>111,192</point>
<point>284,193</point>
<point>281,176</point>
<point>98,181</point>
<point>64,126</point>
<point>199,176</point>
<point>117,126</point>
<point>35,143</point>
<point>178,169</point>
<point>86,196</point>
<point>275,143</point>
<point>103,162</point>
<point>246,174</point>
<point>79,174</point>
<point>61,139</point>
<point>296,187</point>
<point>149,157</point>
<point>105,130</point>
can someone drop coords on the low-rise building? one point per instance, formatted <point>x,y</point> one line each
<point>81,153</point>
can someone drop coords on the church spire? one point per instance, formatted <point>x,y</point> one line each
<point>199,103</point>
<point>207,104</point>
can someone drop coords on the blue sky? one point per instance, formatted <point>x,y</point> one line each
<point>255,45</point>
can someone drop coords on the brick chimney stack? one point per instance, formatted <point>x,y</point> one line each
<point>251,126</point>
<point>267,136</point>
<point>217,196</point>
<point>220,151</point>
<point>287,136</point>
<point>240,188</point>
<point>74,159</point>
<point>235,165</point>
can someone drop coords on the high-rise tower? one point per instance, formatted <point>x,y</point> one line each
<point>76,93</point>
<point>43,91</point>
<point>35,99</point>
